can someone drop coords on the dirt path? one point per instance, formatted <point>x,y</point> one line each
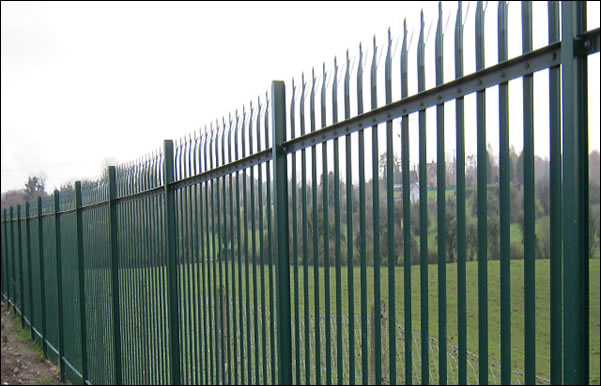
<point>22,360</point>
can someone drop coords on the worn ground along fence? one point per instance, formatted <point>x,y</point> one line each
<point>227,257</point>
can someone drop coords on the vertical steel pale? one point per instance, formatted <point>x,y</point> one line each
<point>555,198</point>
<point>170,229</point>
<point>504,204</point>
<point>529,206</point>
<point>482,162</point>
<point>441,216</point>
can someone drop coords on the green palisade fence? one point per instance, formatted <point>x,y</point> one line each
<point>286,245</point>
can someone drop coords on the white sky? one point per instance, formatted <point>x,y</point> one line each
<point>83,83</point>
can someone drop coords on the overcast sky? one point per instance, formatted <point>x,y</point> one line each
<point>84,84</point>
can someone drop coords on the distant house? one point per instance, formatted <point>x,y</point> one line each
<point>413,186</point>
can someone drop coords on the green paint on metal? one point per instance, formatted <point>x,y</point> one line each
<point>349,223</point>
<point>315,235</point>
<point>305,236</point>
<point>461,221</point>
<point>441,204</point>
<point>261,248</point>
<point>390,219</point>
<point>29,278</point>
<point>12,284</point>
<point>575,197</point>
<point>481,159</point>
<point>175,314</point>
<point>406,215</point>
<point>529,203</point>
<point>376,225</point>
<point>423,210</point>
<point>326,234</point>
<point>42,273</point>
<point>278,97</point>
<point>504,196</point>
<point>362,230</point>
<point>337,248</point>
<point>295,256</point>
<point>238,223</point>
<point>20,257</point>
<point>170,229</point>
<point>555,198</point>
<point>81,282</point>
<point>59,281</point>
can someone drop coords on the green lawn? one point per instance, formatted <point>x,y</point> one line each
<point>517,319</point>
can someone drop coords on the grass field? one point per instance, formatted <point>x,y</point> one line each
<point>493,280</point>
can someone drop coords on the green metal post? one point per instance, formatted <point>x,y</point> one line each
<point>13,279</point>
<point>59,280</point>
<point>42,280</point>
<point>482,161</point>
<point>82,297</point>
<point>555,198</point>
<point>21,290</point>
<point>29,281</point>
<point>278,97</point>
<point>575,197</point>
<point>114,264</point>
<point>4,257</point>
<point>172,266</point>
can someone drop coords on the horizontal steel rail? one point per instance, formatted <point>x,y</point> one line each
<point>231,168</point>
<point>543,58</point>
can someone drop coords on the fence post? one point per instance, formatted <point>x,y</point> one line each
<point>30,285</point>
<point>82,298</point>
<point>5,276</point>
<point>115,273</point>
<point>42,275</point>
<point>59,286</point>
<point>12,282</point>
<point>280,172</point>
<point>170,229</point>
<point>20,243</point>
<point>575,193</point>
